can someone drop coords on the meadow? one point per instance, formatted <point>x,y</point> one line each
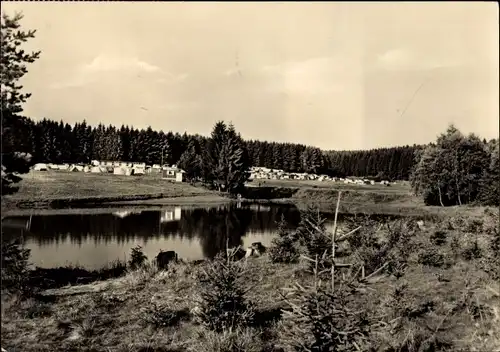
<point>64,190</point>
<point>59,189</point>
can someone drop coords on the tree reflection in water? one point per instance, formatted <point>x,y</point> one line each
<point>213,227</point>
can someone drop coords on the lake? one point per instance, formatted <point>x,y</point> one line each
<point>93,241</point>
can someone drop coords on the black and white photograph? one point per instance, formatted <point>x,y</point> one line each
<point>250,176</point>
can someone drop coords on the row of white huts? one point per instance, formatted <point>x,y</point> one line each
<point>263,173</point>
<point>117,168</point>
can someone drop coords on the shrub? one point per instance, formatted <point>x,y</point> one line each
<point>162,316</point>
<point>39,310</point>
<point>311,234</point>
<point>375,246</point>
<point>472,252</point>
<point>455,246</point>
<point>431,257</point>
<point>492,261</point>
<point>283,248</point>
<point>438,238</point>
<point>137,258</point>
<point>223,305</point>
<point>495,242</point>
<point>322,318</point>
<point>15,267</point>
<point>474,225</point>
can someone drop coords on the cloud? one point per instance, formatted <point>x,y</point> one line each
<point>232,72</point>
<point>313,76</point>
<point>305,66</point>
<point>119,63</point>
<point>396,57</point>
<point>178,106</point>
<point>78,80</point>
<point>169,78</point>
<point>404,59</point>
<point>92,72</point>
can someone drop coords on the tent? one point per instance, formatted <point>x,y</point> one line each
<point>76,168</point>
<point>137,171</point>
<point>138,165</point>
<point>40,167</point>
<point>98,169</point>
<point>122,171</point>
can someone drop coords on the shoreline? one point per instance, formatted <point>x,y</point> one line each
<point>94,205</point>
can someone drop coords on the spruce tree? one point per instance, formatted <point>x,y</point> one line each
<point>226,161</point>
<point>190,161</point>
<point>13,61</point>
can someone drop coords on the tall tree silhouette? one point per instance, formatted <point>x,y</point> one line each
<point>13,62</point>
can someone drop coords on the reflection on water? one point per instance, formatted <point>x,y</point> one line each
<point>95,240</point>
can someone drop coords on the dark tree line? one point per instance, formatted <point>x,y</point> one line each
<point>58,142</point>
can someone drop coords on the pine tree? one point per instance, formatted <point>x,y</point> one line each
<point>13,61</point>
<point>99,144</point>
<point>226,161</point>
<point>490,181</point>
<point>125,142</point>
<point>190,161</point>
<point>67,143</point>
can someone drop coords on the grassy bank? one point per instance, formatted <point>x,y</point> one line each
<point>376,199</point>
<point>65,190</point>
<point>447,298</point>
<point>57,189</point>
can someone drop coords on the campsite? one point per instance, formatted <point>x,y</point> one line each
<point>61,188</point>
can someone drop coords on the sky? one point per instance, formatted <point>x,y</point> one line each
<point>333,75</point>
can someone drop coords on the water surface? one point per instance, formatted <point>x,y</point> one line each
<point>93,241</point>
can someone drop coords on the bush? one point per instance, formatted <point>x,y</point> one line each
<point>311,233</point>
<point>223,305</point>
<point>455,246</point>
<point>474,225</point>
<point>438,238</point>
<point>15,267</point>
<point>283,248</point>
<point>472,252</point>
<point>431,257</point>
<point>322,319</point>
<point>375,246</point>
<point>137,258</point>
<point>162,316</point>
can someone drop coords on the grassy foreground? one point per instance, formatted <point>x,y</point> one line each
<point>448,299</point>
